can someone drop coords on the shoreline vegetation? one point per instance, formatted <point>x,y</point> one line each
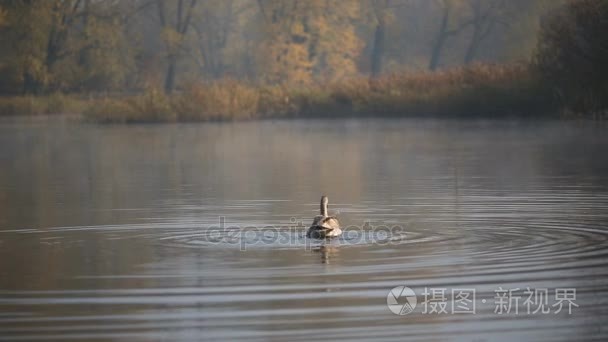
<point>475,91</point>
<point>565,76</point>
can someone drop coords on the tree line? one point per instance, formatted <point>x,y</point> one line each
<point>84,46</point>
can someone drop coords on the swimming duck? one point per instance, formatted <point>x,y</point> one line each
<point>324,226</point>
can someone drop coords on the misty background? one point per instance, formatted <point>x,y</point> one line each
<point>114,45</point>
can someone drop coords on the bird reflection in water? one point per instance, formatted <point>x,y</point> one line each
<point>327,253</point>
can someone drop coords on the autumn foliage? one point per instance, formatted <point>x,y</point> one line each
<point>191,60</point>
<point>478,90</point>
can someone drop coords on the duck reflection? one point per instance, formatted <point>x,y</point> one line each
<point>328,252</point>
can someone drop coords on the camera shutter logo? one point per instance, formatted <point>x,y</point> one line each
<point>401,300</point>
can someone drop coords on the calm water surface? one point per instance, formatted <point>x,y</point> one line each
<point>112,232</point>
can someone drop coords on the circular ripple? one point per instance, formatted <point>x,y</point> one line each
<point>285,238</point>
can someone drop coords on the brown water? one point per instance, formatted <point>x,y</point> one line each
<point>112,232</point>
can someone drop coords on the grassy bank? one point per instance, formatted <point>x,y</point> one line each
<point>39,105</point>
<point>480,90</point>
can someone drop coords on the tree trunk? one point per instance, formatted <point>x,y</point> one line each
<point>181,26</point>
<point>378,48</point>
<point>170,75</point>
<point>440,40</point>
<point>473,45</point>
<point>483,24</point>
<point>83,53</point>
<point>478,23</point>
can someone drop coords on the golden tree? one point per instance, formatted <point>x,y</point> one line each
<point>308,40</point>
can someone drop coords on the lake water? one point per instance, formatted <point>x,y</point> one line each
<point>193,231</point>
